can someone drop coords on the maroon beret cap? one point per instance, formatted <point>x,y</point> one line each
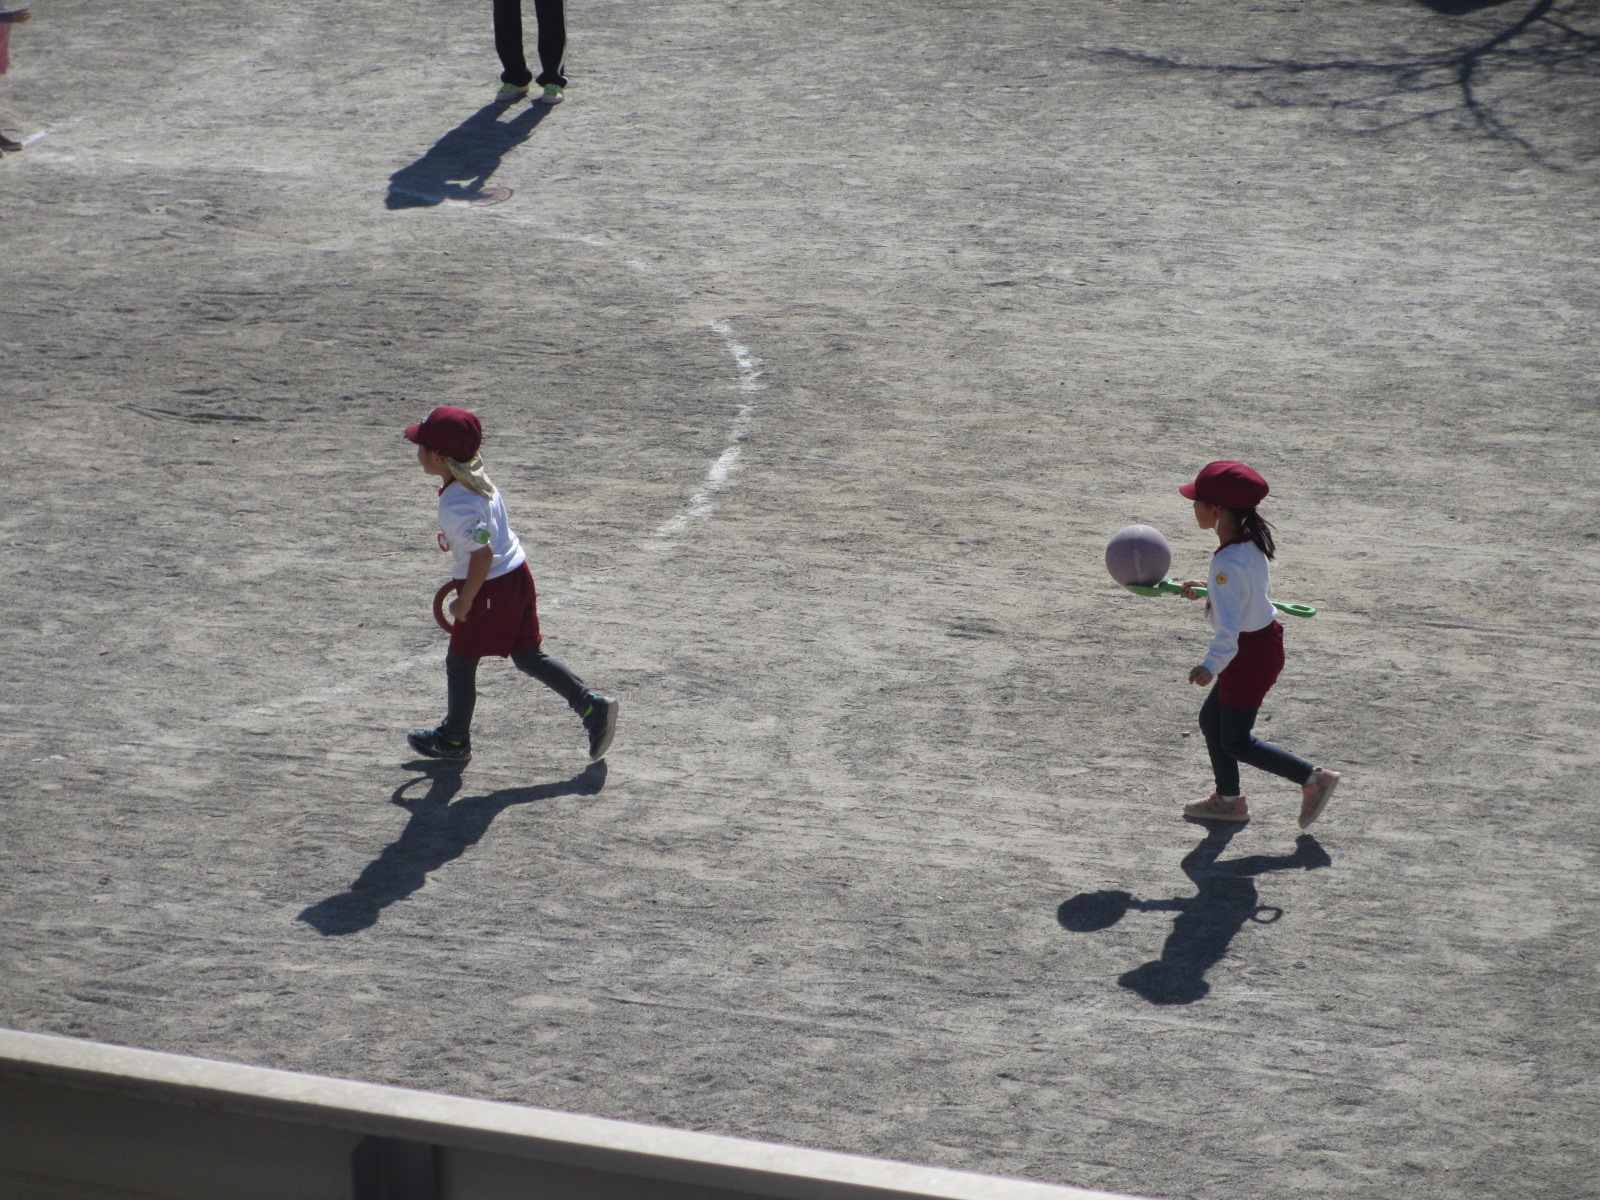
<point>452,432</point>
<point>1230,484</point>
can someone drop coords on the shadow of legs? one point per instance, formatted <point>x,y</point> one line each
<point>1225,900</point>
<point>437,832</point>
<point>1206,922</point>
<point>459,164</point>
<point>1200,935</point>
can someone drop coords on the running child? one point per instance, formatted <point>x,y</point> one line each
<point>495,611</point>
<point>1246,651</point>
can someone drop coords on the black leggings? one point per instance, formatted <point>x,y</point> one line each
<point>461,675</point>
<point>552,18</point>
<point>1230,742</point>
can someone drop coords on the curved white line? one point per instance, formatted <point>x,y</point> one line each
<point>719,477</point>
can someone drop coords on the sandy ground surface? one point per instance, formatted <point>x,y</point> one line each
<point>821,348</point>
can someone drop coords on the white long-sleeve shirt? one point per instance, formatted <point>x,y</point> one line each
<point>1237,600</point>
<point>470,522</point>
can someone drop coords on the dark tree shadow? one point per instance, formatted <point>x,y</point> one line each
<point>438,831</point>
<point>1498,77</point>
<point>1206,922</point>
<point>459,164</point>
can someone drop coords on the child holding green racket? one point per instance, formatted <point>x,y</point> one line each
<point>1246,651</point>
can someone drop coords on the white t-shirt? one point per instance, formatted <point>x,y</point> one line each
<point>1237,600</point>
<point>470,522</point>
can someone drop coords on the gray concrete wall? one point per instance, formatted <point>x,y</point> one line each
<point>81,1119</point>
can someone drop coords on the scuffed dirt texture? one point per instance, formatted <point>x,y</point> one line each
<point>886,857</point>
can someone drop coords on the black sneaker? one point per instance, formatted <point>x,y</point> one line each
<point>436,745</point>
<point>600,719</point>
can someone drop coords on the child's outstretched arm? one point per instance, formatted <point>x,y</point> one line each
<point>478,564</point>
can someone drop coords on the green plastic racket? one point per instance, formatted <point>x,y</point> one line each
<point>1168,587</point>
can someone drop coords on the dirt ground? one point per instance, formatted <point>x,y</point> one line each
<point>821,347</point>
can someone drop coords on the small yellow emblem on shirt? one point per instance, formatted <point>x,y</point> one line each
<point>1222,577</point>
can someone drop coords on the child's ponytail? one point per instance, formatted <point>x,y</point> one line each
<point>1257,528</point>
<point>471,475</point>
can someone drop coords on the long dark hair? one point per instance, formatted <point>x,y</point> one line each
<point>1251,524</point>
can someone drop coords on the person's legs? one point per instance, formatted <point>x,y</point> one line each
<point>552,18</point>
<point>1239,743</point>
<point>461,678</point>
<point>508,42</point>
<point>599,712</point>
<point>554,674</point>
<point>450,740</point>
<point>1224,765</point>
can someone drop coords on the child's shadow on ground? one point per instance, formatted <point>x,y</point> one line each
<point>1206,922</point>
<point>459,164</point>
<point>437,832</point>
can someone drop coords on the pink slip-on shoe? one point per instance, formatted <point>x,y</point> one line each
<point>1316,793</point>
<point>1215,808</point>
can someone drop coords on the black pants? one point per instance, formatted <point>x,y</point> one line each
<point>461,676</point>
<point>1230,742</point>
<point>552,18</point>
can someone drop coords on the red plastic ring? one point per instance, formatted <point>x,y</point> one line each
<point>438,605</point>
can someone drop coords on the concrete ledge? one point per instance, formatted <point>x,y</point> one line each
<point>82,1119</point>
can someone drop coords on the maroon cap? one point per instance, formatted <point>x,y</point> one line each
<point>1230,484</point>
<point>452,432</point>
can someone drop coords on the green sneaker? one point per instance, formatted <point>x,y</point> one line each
<point>552,94</point>
<point>510,92</point>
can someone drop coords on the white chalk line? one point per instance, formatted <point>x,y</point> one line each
<point>54,130</point>
<point>719,477</point>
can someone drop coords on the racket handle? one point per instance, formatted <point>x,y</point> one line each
<point>1164,588</point>
<point>1171,587</point>
<point>1295,610</point>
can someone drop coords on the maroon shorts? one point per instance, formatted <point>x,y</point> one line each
<point>504,618</point>
<point>1245,682</point>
